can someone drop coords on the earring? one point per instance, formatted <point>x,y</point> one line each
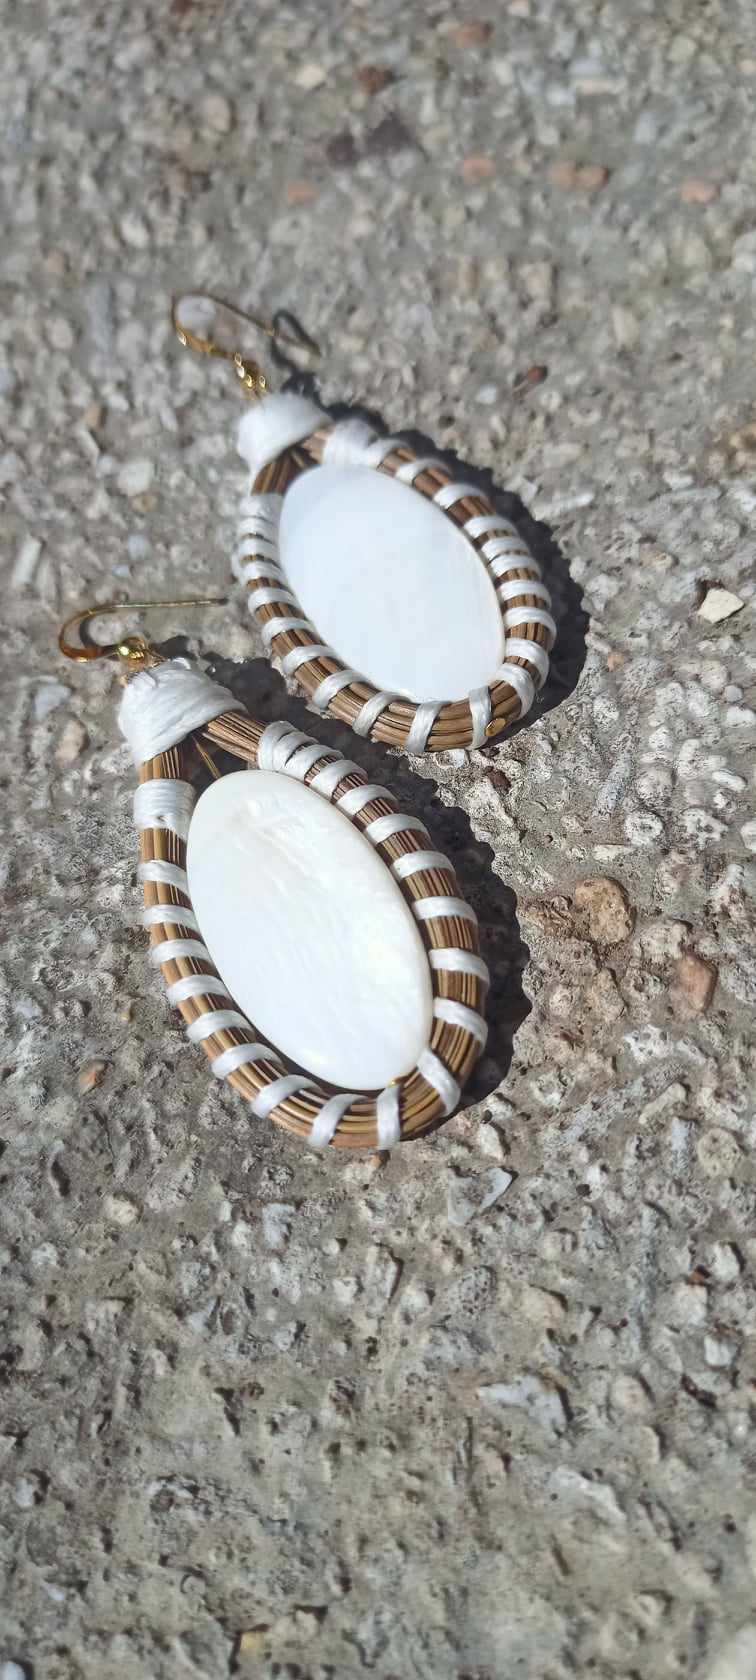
<point>398,598</point>
<point>296,895</point>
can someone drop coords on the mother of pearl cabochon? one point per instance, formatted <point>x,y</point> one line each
<point>390,583</point>
<point>309,930</point>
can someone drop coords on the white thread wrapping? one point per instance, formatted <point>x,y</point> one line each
<point>277,1092</point>
<point>451,493</point>
<point>514,563</point>
<point>421,726</point>
<point>523,586</point>
<point>429,909</point>
<point>479,701</point>
<point>388,1125</point>
<point>381,828</point>
<point>305,757</point>
<point>302,655</point>
<point>327,690</point>
<point>347,444</point>
<point>263,507</point>
<point>459,1015</point>
<point>196,985</point>
<point>264,597</point>
<point>515,616</point>
<point>507,545</point>
<point>239,1055</point>
<point>451,959</point>
<point>170,949</point>
<point>355,799</point>
<point>411,863</point>
<point>169,874</point>
<point>518,647</point>
<point>410,470</point>
<point>166,804</point>
<point>432,1069</point>
<point>481,523</point>
<point>276,626</point>
<point>371,711</point>
<point>325,1123</point>
<point>378,452</point>
<point>247,570</point>
<point>277,745</point>
<point>159,915</point>
<point>522,683</point>
<point>327,779</point>
<point>213,1021</point>
<point>160,707</point>
<point>274,424</point>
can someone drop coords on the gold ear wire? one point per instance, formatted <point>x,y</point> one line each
<point>253,380</point>
<point>133,650</point>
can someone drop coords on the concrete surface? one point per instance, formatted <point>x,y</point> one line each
<point>270,1415</point>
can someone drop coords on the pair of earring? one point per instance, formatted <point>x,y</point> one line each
<point>295,894</point>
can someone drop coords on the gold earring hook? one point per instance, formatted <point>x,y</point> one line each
<point>132,649</point>
<point>248,371</point>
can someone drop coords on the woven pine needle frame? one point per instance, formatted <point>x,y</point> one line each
<point>454,724</point>
<point>460,980</point>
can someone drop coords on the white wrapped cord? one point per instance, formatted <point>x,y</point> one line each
<point>271,1095</point>
<point>459,1015</point>
<point>432,1069</point>
<point>388,1124</point>
<point>521,681</point>
<point>169,874</point>
<point>515,616</point>
<point>371,711</point>
<point>517,647</point>
<point>213,1021</point>
<point>163,705</point>
<point>479,700</point>
<point>347,444</point>
<point>196,985</point>
<point>275,423</point>
<point>421,726</point>
<point>164,803</point>
<point>174,915</point>
<point>410,470</point>
<point>325,1123</point>
<point>240,1055</point>
<point>431,909</point>
<point>413,863</point>
<point>452,959</point>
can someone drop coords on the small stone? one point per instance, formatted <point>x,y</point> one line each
<point>217,113</point>
<point>49,696</point>
<point>604,998</point>
<point>467,1197</point>
<point>134,232</point>
<point>606,907</point>
<point>13,1671</point>
<point>629,1394</point>
<point>477,167</point>
<point>301,192</point>
<point>748,832</point>
<point>694,984</point>
<point>135,477</point>
<point>697,192</point>
<point>72,743</point>
<point>718,1152</point>
<point>373,77</point>
<point>542,1307</point>
<point>310,76</point>
<point>718,604</point>
<point>120,1210</point>
<point>254,1641</point>
<point>91,1074</point>
<point>585,177</point>
<point>530,1394</point>
<point>476,34</point>
<point>720,1351</point>
<point>724,1262</point>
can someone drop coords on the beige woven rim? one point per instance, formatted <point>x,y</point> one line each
<point>421,1108</point>
<point>453,724</point>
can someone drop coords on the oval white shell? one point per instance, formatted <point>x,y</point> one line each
<point>309,930</point>
<point>393,586</point>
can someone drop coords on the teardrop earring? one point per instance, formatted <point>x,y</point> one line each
<point>398,599</point>
<point>295,895</point>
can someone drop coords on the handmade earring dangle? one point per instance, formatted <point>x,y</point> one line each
<point>314,941</point>
<point>397,598</point>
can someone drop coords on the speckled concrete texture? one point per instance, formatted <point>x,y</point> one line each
<point>485,1411</point>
